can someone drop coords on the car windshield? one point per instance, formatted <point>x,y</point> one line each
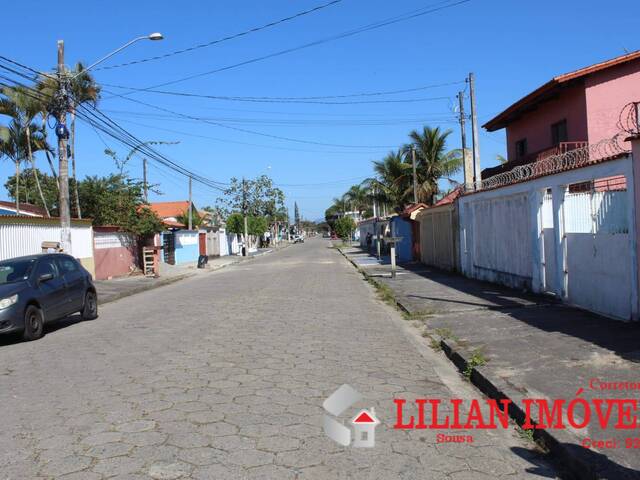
<point>12,271</point>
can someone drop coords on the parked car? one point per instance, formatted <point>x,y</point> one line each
<point>298,239</point>
<point>41,288</point>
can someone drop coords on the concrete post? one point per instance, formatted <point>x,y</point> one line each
<point>537,239</point>
<point>560,241</point>
<point>633,191</point>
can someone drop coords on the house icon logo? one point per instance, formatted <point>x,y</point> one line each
<point>364,423</point>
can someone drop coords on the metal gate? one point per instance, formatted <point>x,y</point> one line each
<point>169,248</point>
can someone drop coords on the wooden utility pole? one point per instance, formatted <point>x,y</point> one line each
<point>63,168</point>
<point>144,180</point>
<point>466,159</point>
<point>415,174</point>
<point>477,177</point>
<point>190,207</point>
<point>245,249</point>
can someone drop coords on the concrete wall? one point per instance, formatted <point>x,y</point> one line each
<point>535,126</point>
<point>21,235</point>
<point>115,254</point>
<point>401,227</point>
<point>187,249</point>
<point>439,237</point>
<point>506,237</point>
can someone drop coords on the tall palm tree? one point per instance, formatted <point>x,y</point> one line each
<point>16,145</point>
<point>392,181</point>
<point>357,197</point>
<point>84,90</point>
<point>433,161</point>
<point>23,107</point>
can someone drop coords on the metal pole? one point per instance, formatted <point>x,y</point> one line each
<point>63,168</point>
<point>415,174</point>
<point>245,250</point>
<point>477,176</point>
<point>144,180</point>
<point>190,207</point>
<point>393,259</point>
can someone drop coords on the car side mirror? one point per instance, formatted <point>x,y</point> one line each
<point>45,277</point>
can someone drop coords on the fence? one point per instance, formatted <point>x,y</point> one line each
<point>22,235</point>
<point>543,236</point>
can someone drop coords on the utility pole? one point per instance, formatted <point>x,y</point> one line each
<point>466,159</point>
<point>63,167</point>
<point>245,250</point>
<point>415,174</point>
<point>477,177</point>
<point>144,180</point>
<point>190,207</point>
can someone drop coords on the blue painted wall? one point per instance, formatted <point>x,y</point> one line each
<point>187,249</point>
<point>402,228</point>
<point>6,212</point>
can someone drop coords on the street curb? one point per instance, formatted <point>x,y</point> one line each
<point>144,288</point>
<point>569,461</point>
<point>177,278</point>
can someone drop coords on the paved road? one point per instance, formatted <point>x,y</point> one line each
<point>223,376</point>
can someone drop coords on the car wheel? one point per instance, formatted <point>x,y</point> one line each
<point>90,308</point>
<point>33,323</point>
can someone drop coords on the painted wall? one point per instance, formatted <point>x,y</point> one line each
<point>115,254</point>
<point>21,236</point>
<point>187,249</point>
<point>607,92</point>
<point>502,239</point>
<point>401,227</point>
<point>535,126</point>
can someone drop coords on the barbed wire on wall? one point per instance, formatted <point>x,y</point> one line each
<point>580,157</point>
<point>629,119</point>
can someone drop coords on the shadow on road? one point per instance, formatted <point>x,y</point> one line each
<point>49,328</point>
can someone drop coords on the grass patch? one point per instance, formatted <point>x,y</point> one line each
<point>525,433</point>
<point>477,360</point>
<point>446,334</point>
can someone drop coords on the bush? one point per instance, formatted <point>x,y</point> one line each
<point>344,227</point>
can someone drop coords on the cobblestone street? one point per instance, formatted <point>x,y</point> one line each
<point>222,376</point>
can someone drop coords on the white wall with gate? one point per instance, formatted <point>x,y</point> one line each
<point>542,236</point>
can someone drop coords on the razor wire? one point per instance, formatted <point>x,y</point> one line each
<point>580,157</point>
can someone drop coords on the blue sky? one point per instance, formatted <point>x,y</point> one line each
<point>512,46</point>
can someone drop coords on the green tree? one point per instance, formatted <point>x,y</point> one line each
<point>196,219</point>
<point>391,184</point>
<point>22,137</point>
<point>29,191</point>
<point>235,223</point>
<point>344,227</point>
<point>118,200</point>
<point>296,214</point>
<point>433,161</point>
<point>257,226</point>
<point>262,198</point>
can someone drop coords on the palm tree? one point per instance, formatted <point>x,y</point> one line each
<point>23,107</point>
<point>84,90</point>
<point>392,182</point>
<point>357,197</point>
<point>196,219</point>
<point>433,161</point>
<point>17,145</point>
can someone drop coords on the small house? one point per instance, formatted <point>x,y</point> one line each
<point>364,425</point>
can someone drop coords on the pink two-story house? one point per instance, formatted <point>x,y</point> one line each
<point>568,112</point>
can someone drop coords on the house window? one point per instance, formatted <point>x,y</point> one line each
<point>521,148</point>
<point>364,436</point>
<point>559,132</point>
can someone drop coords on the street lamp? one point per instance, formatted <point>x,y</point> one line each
<point>153,37</point>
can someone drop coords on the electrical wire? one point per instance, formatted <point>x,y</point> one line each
<point>224,39</point>
<point>372,26</point>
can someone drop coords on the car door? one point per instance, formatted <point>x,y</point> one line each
<point>52,292</point>
<point>73,277</point>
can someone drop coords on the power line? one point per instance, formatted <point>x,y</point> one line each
<point>321,99</point>
<point>253,132</point>
<point>224,39</point>
<point>372,26</point>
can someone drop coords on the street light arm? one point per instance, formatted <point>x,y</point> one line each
<point>106,57</point>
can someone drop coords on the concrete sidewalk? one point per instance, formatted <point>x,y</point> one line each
<point>111,290</point>
<point>526,346</point>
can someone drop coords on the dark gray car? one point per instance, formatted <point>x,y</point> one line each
<point>41,288</point>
